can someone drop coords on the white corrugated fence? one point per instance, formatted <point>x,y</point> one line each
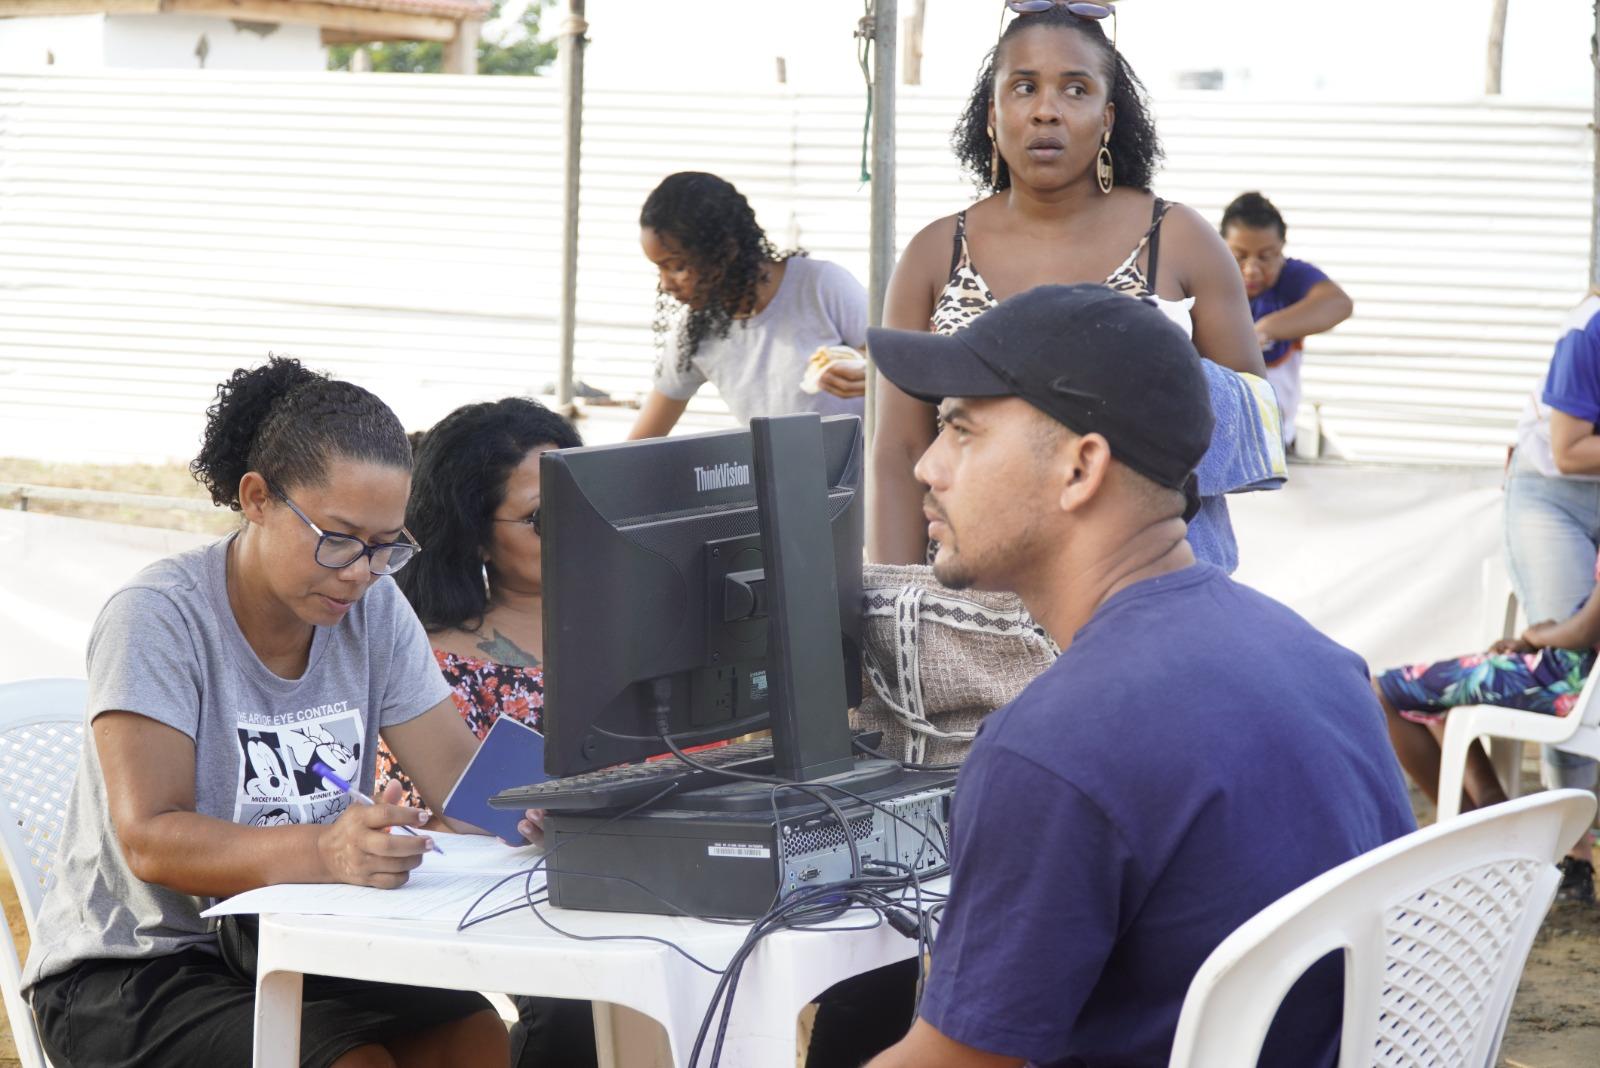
<point>159,229</point>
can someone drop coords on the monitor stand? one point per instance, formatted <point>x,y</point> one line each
<point>811,738</point>
<point>805,669</point>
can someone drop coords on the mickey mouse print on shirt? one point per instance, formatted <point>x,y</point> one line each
<point>276,783</point>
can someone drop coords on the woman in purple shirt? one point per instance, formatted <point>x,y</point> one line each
<point>1290,299</point>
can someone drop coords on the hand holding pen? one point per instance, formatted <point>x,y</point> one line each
<point>319,768</point>
<point>358,848</point>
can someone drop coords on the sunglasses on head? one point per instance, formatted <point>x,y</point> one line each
<point>1076,7</point>
<point>1081,8</point>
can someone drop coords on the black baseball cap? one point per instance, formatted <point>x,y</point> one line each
<point>1095,360</point>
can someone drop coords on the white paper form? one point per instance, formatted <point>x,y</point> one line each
<point>441,887</point>
<point>480,853</point>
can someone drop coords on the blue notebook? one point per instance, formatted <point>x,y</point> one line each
<point>512,754</point>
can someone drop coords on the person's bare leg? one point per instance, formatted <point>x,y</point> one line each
<point>1416,747</point>
<point>476,1041</point>
<point>1482,782</point>
<point>371,1056</point>
<point>1583,849</point>
<point>1480,785</point>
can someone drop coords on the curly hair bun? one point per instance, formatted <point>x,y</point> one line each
<point>234,420</point>
<point>285,421</point>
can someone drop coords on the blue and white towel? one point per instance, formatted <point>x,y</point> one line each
<point>1246,454</point>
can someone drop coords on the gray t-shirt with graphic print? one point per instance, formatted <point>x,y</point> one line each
<point>167,646</point>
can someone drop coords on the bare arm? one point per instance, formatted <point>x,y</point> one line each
<point>1579,631</point>
<point>149,771</point>
<point>434,748</point>
<point>1574,444</point>
<point>896,530</point>
<point>1323,308</point>
<point>1223,330</point>
<point>658,416</point>
<point>925,1047</point>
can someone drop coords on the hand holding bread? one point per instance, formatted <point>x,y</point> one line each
<point>836,369</point>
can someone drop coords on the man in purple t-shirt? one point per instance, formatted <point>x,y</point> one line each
<point>1289,299</point>
<point>1153,789</point>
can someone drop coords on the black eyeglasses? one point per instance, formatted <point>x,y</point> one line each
<point>531,521</point>
<point>337,551</point>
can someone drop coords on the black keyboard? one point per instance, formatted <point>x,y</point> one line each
<point>632,784</point>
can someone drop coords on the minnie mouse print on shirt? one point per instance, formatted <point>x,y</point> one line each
<point>276,783</point>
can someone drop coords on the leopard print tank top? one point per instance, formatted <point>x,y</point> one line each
<point>966,295</point>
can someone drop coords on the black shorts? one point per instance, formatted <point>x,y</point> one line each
<point>190,1009</point>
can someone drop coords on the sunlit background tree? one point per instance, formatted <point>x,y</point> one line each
<point>513,47</point>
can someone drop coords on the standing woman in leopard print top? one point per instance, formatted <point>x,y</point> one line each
<point>1057,132</point>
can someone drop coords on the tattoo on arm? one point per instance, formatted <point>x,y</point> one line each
<point>502,650</point>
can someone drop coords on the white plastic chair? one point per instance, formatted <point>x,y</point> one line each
<point>41,741</point>
<point>1435,928</point>
<point>1576,732</point>
<point>1502,616</point>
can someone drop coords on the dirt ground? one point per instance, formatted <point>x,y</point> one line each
<point>164,480</point>
<point>1555,1020</point>
<point>19,934</point>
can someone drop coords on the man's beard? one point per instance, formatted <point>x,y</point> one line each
<point>950,572</point>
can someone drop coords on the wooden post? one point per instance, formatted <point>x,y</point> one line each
<point>913,31</point>
<point>1497,43</point>
<point>461,53</point>
<point>573,39</point>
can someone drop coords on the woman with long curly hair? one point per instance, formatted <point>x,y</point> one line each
<point>477,591</point>
<point>733,310</point>
<point>1058,134</point>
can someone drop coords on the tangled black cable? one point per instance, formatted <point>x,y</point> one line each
<point>804,909</point>
<point>807,907</point>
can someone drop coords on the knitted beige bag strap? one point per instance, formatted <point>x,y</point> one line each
<point>913,602</point>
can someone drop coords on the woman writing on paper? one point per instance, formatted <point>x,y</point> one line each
<point>217,679</point>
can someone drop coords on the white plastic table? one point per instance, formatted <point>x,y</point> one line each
<point>516,954</point>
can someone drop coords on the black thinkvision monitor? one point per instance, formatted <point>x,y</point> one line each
<point>700,588</point>
<point>667,562</point>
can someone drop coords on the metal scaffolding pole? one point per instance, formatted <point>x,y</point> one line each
<point>573,40</point>
<point>1594,128</point>
<point>885,43</point>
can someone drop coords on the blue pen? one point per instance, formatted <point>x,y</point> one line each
<point>319,768</point>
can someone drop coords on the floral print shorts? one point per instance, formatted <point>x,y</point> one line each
<point>1547,681</point>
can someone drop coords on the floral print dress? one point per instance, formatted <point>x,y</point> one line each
<point>483,690</point>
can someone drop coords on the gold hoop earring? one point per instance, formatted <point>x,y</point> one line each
<point>1102,165</point>
<point>994,160</point>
